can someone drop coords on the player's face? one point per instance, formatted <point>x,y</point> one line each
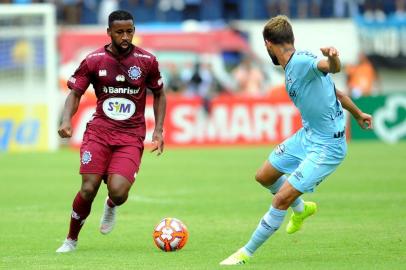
<point>268,46</point>
<point>121,34</point>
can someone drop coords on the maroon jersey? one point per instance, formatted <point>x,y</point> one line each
<point>120,84</point>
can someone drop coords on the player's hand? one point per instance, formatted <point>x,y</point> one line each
<point>329,52</point>
<point>65,130</point>
<point>157,143</point>
<point>364,120</point>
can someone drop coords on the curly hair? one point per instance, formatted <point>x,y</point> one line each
<point>120,15</point>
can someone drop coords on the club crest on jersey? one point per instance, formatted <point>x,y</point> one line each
<point>134,72</point>
<point>86,157</point>
<point>120,78</point>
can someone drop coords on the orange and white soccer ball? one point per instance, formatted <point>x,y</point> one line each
<point>170,234</point>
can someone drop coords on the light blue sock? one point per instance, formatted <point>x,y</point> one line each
<point>277,185</point>
<point>297,205</point>
<point>269,223</point>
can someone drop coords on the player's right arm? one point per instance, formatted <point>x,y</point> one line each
<point>71,107</point>
<point>364,120</point>
<point>332,64</point>
<point>78,84</point>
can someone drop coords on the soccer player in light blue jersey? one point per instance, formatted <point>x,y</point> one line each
<point>304,160</point>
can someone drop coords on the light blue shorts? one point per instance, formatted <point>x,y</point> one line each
<point>308,163</point>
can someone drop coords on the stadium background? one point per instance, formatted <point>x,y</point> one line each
<point>218,131</point>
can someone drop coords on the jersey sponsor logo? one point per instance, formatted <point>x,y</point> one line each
<point>102,73</point>
<point>86,157</point>
<point>307,53</point>
<point>292,93</point>
<point>141,55</point>
<point>339,134</point>
<point>118,108</point>
<point>120,90</point>
<point>134,72</point>
<point>289,83</point>
<point>96,54</point>
<point>120,78</point>
<point>280,149</point>
<point>337,114</point>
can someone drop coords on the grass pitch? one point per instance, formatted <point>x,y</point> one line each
<point>361,222</point>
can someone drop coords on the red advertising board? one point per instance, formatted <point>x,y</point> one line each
<point>231,120</point>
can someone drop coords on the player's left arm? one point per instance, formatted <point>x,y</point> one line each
<point>364,120</point>
<point>159,114</point>
<point>332,64</point>
<point>154,83</point>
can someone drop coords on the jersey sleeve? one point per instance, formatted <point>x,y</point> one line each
<point>154,80</point>
<point>308,63</point>
<point>311,67</point>
<point>317,71</point>
<point>80,80</point>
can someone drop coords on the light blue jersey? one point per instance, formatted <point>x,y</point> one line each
<point>313,93</point>
<point>316,150</point>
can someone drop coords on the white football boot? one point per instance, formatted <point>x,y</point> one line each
<point>68,245</point>
<point>108,219</point>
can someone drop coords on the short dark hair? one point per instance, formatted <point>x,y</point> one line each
<point>120,15</point>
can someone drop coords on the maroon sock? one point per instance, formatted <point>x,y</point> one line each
<point>80,211</point>
<point>110,203</point>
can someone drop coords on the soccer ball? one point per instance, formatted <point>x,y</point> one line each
<point>170,234</point>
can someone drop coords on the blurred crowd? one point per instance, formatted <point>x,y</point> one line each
<point>247,75</point>
<point>249,78</point>
<point>95,11</point>
<point>246,78</point>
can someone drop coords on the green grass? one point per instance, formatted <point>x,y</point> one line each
<point>361,223</point>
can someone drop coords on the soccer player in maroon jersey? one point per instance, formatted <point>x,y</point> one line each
<point>112,144</point>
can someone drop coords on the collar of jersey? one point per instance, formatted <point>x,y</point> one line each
<point>290,58</point>
<point>121,56</point>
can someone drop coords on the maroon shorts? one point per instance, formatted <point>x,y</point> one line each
<point>103,153</point>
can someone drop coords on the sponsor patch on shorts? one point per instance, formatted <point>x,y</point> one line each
<point>280,149</point>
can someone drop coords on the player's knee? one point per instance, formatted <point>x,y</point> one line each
<point>88,191</point>
<point>118,200</point>
<point>90,186</point>
<point>259,177</point>
<point>118,197</point>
